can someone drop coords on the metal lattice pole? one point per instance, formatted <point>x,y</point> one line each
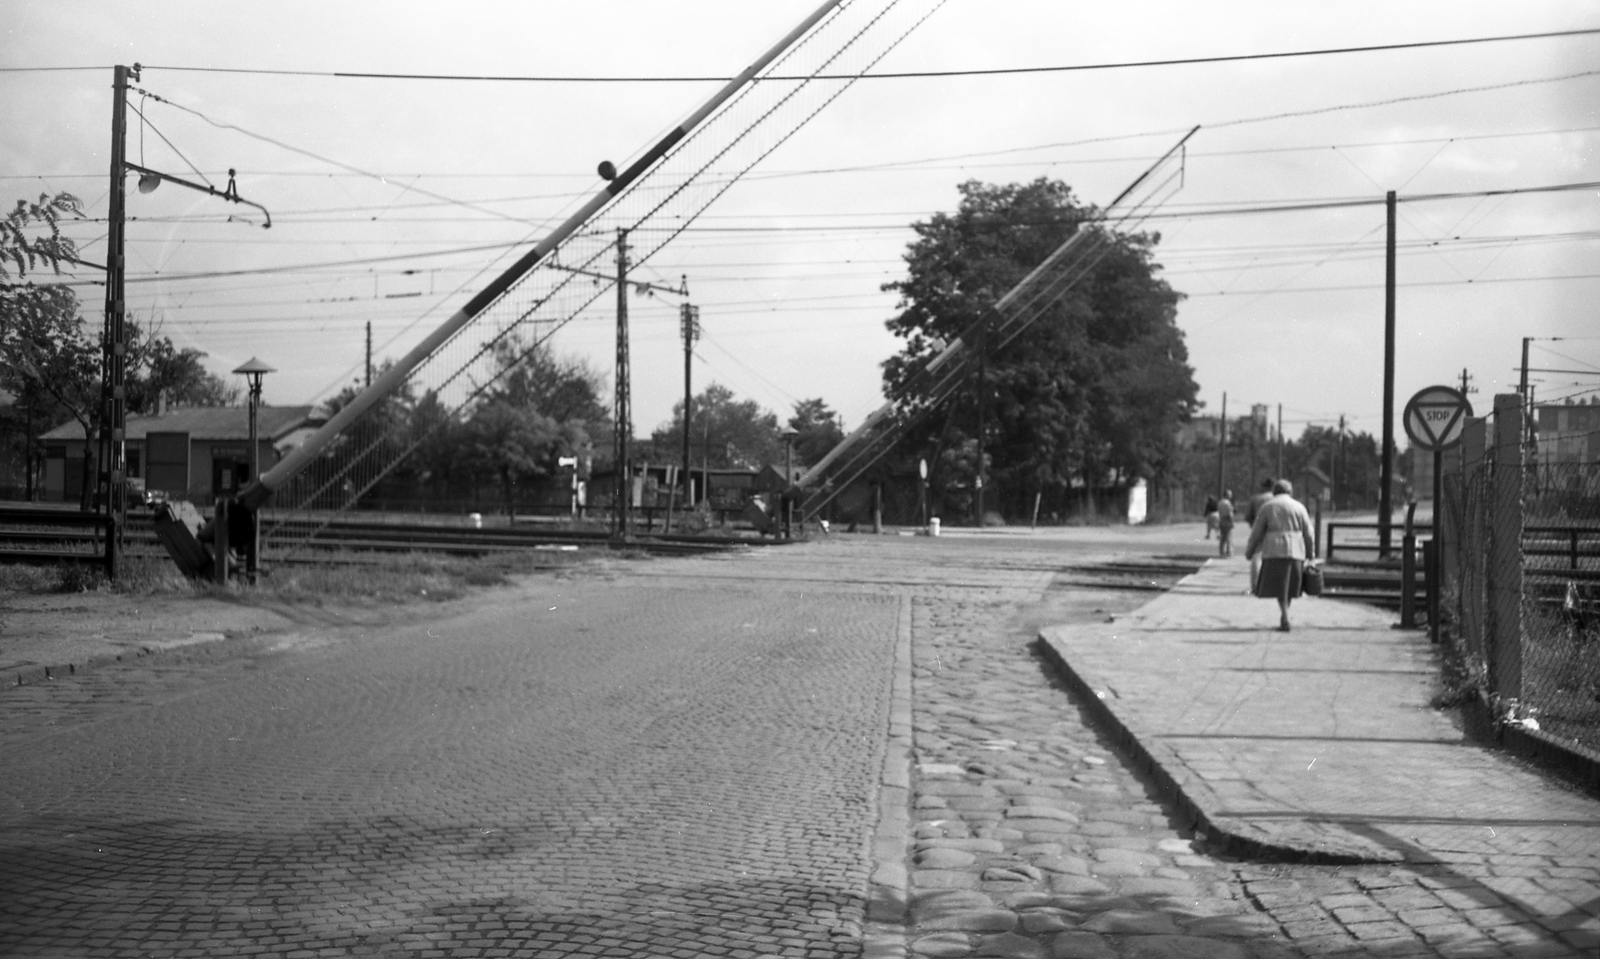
<point>110,489</point>
<point>624,401</point>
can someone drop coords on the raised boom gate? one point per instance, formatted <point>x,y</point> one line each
<point>930,387</point>
<point>651,201</point>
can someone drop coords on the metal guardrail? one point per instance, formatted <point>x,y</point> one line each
<point>1363,547</point>
<point>1574,543</point>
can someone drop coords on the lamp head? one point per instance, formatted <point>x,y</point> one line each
<point>253,370</point>
<point>148,183</point>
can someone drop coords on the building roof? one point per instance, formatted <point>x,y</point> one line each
<point>206,423</point>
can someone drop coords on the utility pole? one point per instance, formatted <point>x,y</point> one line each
<point>982,370</point>
<point>1522,384</point>
<point>369,353</point>
<point>1222,443</point>
<point>111,490</point>
<point>623,412</point>
<point>1338,463</point>
<point>1279,470</point>
<point>1526,394</point>
<point>1386,456</point>
<point>689,319</point>
<point>1250,474</point>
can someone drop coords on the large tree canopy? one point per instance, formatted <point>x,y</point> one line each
<point>724,432</point>
<point>156,368</point>
<point>1093,390</point>
<point>819,430</point>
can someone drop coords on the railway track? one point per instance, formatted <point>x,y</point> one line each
<point>43,535</point>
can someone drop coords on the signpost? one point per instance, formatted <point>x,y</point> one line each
<point>922,494</point>
<point>1434,420</point>
<point>1435,417</point>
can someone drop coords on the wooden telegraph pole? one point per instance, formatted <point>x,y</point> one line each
<point>110,485</point>
<point>1222,443</point>
<point>1386,456</point>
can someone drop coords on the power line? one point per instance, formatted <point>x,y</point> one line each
<point>1405,99</point>
<point>1414,283</point>
<point>910,74</point>
<point>319,157</point>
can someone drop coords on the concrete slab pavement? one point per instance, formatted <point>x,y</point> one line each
<point>1317,745</point>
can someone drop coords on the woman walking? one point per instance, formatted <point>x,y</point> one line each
<point>1282,534</point>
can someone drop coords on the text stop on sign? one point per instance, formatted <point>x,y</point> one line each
<point>1435,417</point>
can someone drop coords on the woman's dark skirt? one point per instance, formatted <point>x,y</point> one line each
<point>1275,572</point>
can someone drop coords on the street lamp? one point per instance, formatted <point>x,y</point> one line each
<point>253,371</point>
<point>111,484</point>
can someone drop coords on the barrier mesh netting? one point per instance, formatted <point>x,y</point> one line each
<point>579,273</point>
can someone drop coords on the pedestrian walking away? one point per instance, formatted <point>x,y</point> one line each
<point>1254,509</point>
<point>1281,534</point>
<point>1211,515</point>
<point>1225,524</point>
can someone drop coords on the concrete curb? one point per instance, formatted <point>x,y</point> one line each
<point>1219,834</point>
<point>1572,762</point>
<point>44,673</point>
<point>888,890</point>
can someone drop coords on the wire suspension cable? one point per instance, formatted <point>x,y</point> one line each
<point>456,367</point>
<point>912,74</point>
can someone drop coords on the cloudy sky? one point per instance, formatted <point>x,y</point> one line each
<point>392,200</point>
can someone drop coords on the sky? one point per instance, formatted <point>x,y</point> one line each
<point>393,200</point>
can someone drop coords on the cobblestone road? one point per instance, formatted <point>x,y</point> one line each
<point>1034,838</point>
<point>680,762</point>
<point>601,767</point>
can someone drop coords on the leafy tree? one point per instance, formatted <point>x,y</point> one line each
<point>539,408</point>
<point>48,357</point>
<point>567,390</point>
<point>48,361</point>
<point>724,433</point>
<point>20,244</point>
<point>157,366</point>
<point>514,444</point>
<point>1091,392</point>
<point>437,441</point>
<point>819,428</point>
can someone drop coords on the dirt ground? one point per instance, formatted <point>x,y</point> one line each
<point>82,629</point>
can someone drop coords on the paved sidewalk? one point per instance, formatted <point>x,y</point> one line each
<point>1316,745</point>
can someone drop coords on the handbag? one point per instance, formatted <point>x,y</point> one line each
<point>1311,579</point>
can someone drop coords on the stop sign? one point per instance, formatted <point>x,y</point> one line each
<point>1435,417</point>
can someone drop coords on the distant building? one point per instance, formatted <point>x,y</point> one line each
<point>195,454</point>
<point>1568,433</point>
<point>1256,423</point>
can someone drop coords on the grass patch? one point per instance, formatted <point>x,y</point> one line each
<point>21,578</point>
<point>377,578</point>
<point>402,578</point>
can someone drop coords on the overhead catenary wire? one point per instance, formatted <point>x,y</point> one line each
<point>1166,251</point>
<point>909,74</point>
<point>893,165</point>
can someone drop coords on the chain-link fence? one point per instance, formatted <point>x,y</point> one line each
<point>1561,599</point>
<point>1465,574</point>
<point>1521,582</point>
